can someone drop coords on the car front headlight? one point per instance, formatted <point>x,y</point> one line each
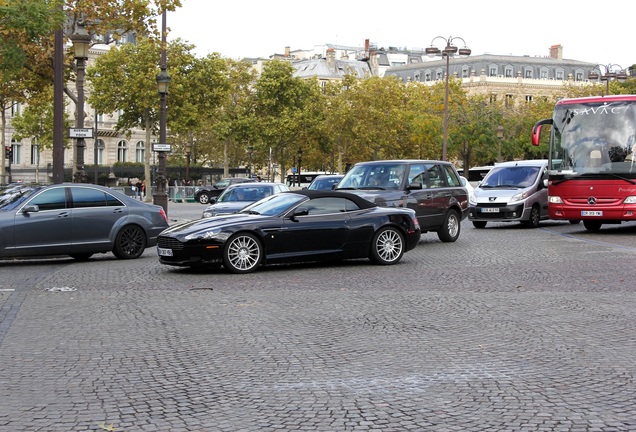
<point>472,201</point>
<point>208,213</point>
<point>519,197</point>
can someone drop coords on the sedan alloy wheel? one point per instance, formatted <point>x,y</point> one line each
<point>387,247</point>
<point>243,253</point>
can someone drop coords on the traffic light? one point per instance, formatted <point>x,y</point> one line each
<point>8,152</point>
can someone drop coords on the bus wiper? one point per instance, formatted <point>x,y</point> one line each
<point>621,178</point>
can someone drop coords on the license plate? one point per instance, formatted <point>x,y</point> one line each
<point>490,210</point>
<point>164,252</point>
<point>591,213</point>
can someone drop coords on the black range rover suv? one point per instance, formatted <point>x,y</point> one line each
<point>432,188</point>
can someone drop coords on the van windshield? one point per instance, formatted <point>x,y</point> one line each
<point>511,177</point>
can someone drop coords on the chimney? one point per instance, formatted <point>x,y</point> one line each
<point>331,59</point>
<point>556,52</point>
<point>286,51</point>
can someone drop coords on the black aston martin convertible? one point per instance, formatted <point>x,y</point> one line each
<point>293,226</point>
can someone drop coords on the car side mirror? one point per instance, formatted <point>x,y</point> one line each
<point>415,185</point>
<point>300,211</point>
<point>545,183</point>
<point>31,209</point>
<point>212,200</point>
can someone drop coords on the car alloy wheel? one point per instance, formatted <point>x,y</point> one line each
<point>243,253</point>
<point>204,198</point>
<point>449,232</point>
<point>388,246</point>
<point>130,242</point>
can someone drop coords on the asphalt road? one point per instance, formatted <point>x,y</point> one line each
<point>507,329</point>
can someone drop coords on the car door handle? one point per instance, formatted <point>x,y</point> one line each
<point>63,215</point>
<point>118,210</point>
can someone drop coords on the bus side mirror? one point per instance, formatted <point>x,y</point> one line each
<point>536,130</point>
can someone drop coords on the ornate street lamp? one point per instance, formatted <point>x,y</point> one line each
<point>612,72</point>
<point>500,135</point>
<point>163,81</point>
<point>81,42</point>
<point>449,51</point>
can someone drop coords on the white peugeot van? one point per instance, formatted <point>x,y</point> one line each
<point>511,192</point>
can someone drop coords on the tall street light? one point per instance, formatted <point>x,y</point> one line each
<point>188,149</point>
<point>500,135</point>
<point>612,72</point>
<point>81,42</point>
<point>163,81</point>
<point>447,52</point>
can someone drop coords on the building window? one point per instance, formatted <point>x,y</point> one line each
<point>560,74</point>
<point>492,71</point>
<point>100,152</point>
<point>15,109</point>
<point>122,151</point>
<point>439,75</point>
<point>493,98</point>
<point>35,154</point>
<point>543,74</point>
<point>579,76</point>
<point>140,149</point>
<point>528,73</point>
<point>428,77</point>
<point>15,146</point>
<point>100,118</point>
<point>509,100</point>
<point>465,72</point>
<point>508,72</point>
<point>528,98</point>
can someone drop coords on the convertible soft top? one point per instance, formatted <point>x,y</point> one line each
<point>360,202</point>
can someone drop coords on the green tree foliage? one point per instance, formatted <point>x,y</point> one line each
<point>124,80</point>
<point>280,101</point>
<point>36,121</point>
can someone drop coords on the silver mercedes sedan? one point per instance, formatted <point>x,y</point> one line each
<point>77,220</point>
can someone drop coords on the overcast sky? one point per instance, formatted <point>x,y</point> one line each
<point>587,31</point>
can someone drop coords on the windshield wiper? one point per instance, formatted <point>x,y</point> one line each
<point>595,174</point>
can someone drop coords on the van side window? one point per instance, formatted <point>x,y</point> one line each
<point>451,177</point>
<point>416,174</point>
<point>435,179</point>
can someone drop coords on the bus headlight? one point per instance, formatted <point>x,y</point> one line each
<point>630,200</point>
<point>555,199</point>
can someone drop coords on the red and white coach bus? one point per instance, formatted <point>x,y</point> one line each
<point>592,160</point>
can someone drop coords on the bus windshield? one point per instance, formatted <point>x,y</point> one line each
<point>595,138</point>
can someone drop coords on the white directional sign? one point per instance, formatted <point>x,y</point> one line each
<point>162,147</point>
<point>80,132</point>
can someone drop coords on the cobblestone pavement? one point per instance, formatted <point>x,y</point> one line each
<point>508,329</point>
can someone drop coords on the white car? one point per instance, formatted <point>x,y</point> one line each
<point>468,186</point>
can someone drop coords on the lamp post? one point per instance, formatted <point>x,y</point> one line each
<point>163,81</point>
<point>500,135</point>
<point>612,72</point>
<point>300,162</point>
<point>250,151</point>
<point>188,149</point>
<point>81,42</point>
<point>449,51</point>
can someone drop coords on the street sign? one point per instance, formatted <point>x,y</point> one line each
<point>162,147</point>
<point>80,132</point>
